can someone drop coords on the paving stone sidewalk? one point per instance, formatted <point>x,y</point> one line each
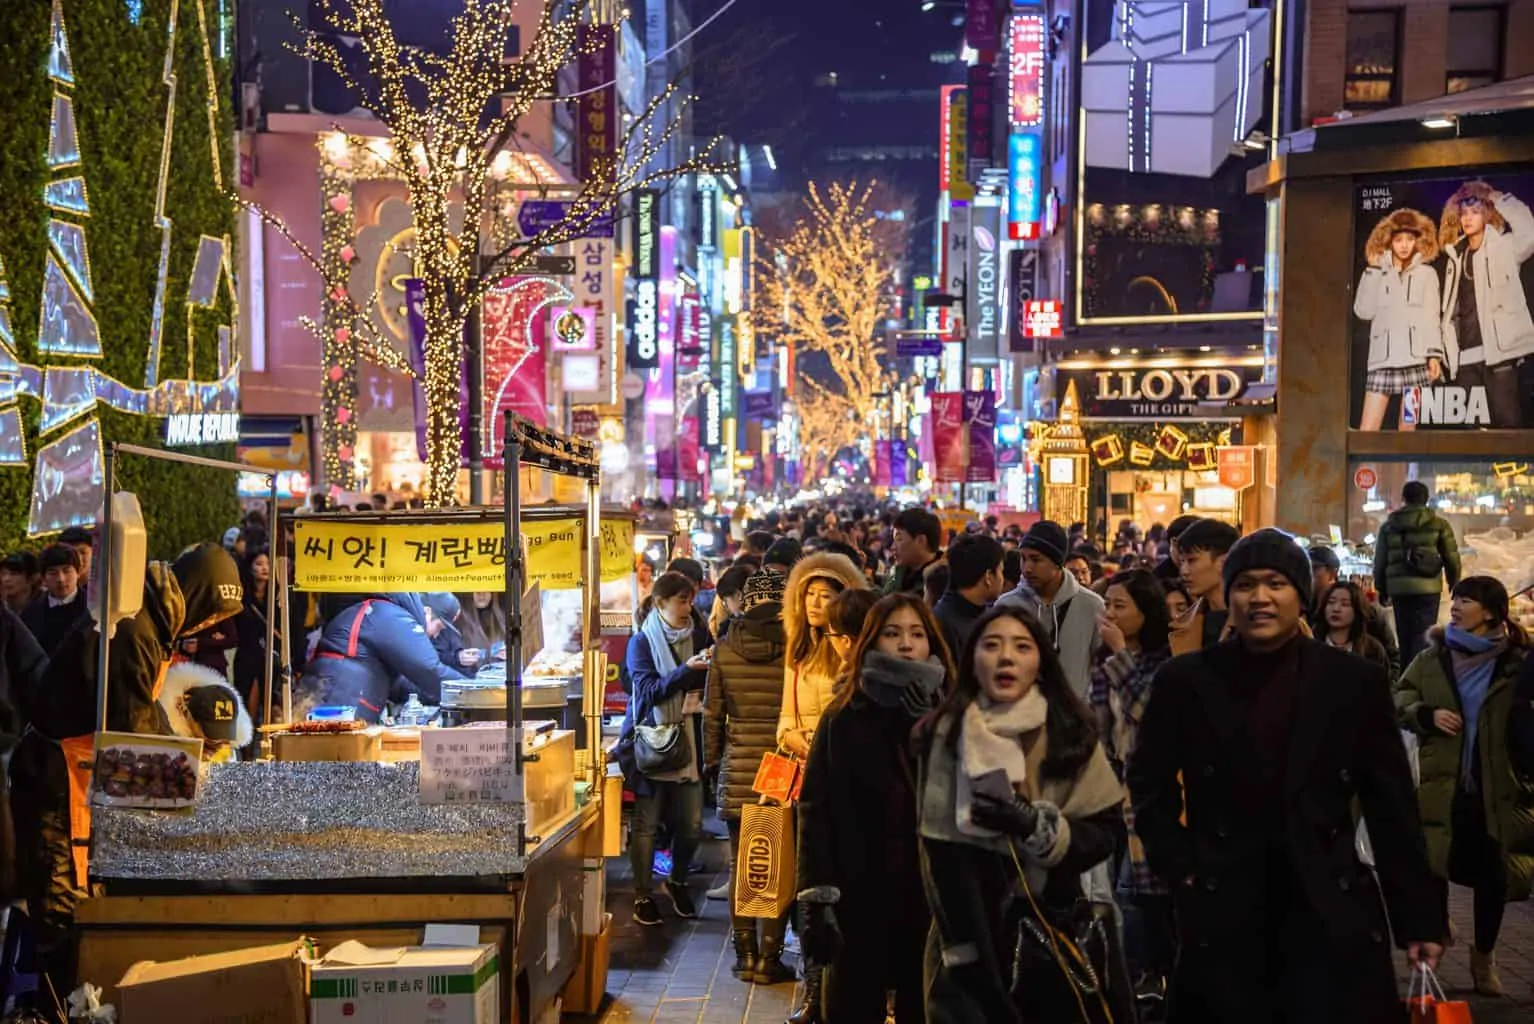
<point>680,972</point>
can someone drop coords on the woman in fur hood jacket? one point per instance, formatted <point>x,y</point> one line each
<point>1399,297</point>
<point>812,665</point>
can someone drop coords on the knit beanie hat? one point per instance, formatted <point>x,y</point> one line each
<point>1048,539</point>
<point>763,588</point>
<point>1270,549</point>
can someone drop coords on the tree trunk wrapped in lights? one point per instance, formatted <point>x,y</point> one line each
<point>827,285</point>
<point>452,123</point>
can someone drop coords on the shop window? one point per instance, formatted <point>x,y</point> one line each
<point>1374,49</point>
<point>1475,47</point>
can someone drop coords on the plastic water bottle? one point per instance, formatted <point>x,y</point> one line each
<point>414,713</point>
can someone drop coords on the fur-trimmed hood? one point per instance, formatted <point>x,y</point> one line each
<point>820,565</point>
<point>1403,219</point>
<point>184,676</point>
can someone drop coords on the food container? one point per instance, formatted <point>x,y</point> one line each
<point>357,745</point>
<point>145,771</point>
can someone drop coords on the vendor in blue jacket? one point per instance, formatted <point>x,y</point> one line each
<point>370,644</point>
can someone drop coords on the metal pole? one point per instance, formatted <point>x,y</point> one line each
<point>594,687</point>
<point>473,345</point>
<point>284,609</point>
<point>271,600</point>
<point>104,558</point>
<point>511,455</point>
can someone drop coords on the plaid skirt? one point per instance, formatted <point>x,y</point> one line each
<point>1392,380</point>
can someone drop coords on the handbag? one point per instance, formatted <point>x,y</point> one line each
<point>1428,1005</point>
<point>765,866</point>
<point>659,749</point>
<point>1069,961</point>
<point>779,777</point>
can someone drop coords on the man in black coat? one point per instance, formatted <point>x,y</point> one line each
<point>975,582</point>
<point>1274,736</point>
<point>53,613</point>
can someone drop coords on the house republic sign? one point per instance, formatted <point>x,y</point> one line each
<point>1157,389</point>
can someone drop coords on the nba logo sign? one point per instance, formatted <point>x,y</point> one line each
<point>1411,401</point>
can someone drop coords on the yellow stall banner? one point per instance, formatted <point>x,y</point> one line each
<point>617,550</point>
<point>399,557</point>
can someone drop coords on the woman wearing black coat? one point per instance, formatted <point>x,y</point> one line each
<point>859,872</point>
<point>250,626</point>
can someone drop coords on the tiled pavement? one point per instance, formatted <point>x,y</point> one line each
<point>680,972</point>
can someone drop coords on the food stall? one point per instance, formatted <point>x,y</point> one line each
<point>387,830</point>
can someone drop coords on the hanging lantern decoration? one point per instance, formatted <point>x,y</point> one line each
<point>1141,454</point>
<point>1201,456</point>
<point>1108,449</point>
<point>1171,442</point>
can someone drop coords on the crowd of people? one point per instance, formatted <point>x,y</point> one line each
<point>1196,776</point>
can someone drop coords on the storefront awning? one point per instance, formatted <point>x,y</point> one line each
<point>1500,108</point>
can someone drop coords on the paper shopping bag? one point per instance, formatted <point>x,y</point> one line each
<point>1428,1004</point>
<point>765,869</point>
<point>778,777</point>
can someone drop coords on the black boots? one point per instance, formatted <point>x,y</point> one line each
<point>809,1008</point>
<point>744,940</point>
<point>770,969</point>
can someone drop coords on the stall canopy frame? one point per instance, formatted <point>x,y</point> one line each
<point>109,474</point>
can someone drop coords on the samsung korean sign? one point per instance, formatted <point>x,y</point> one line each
<point>644,341</point>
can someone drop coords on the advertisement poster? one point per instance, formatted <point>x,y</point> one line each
<point>515,371</point>
<point>980,417</point>
<point>1442,333</point>
<point>1174,101</point>
<point>882,451</point>
<point>950,437</point>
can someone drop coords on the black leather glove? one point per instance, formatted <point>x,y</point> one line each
<point>820,937</point>
<point>1015,817</point>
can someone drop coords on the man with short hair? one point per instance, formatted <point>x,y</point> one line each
<point>975,582</point>
<point>19,581</point>
<point>1079,566</point>
<point>1249,759</point>
<point>1326,567</point>
<point>758,542</point>
<point>918,545</point>
<point>1169,569</point>
<point>1415,554</point>
<point>55,611</point>
<point>1067,610</point>
<point>84,543</point>
<point>1201,553</point>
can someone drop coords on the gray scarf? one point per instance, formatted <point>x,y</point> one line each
<point>895,682</point>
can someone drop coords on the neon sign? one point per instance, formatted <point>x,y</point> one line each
<point>1025,102</point>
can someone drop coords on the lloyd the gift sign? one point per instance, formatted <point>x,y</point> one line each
<point>1130,391</point>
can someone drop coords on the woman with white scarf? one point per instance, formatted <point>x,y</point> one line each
<point>668,663</point>
<point>1017,800</point>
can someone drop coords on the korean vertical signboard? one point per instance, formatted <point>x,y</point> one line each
<point>596,110</point>
<point>1026,40</point>
<point>644,346</point>
<point>953,146</point>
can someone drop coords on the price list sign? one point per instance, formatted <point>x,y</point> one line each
<point>469,765</point>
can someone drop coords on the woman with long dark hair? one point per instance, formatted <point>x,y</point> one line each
<point>1017,800</point>
<point>1460,697</point>
<point>859,873</point>
<point>1134,627</point>
<point>1345,618</point>
<point>250,628</point>
<point>483,622</point>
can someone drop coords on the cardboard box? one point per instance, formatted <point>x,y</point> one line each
<point>262,985</point>
<point>588,985</point>
<point>356,984</point>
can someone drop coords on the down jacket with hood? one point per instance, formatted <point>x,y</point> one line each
<point>808,688</point>
<point>366,647</point>
<point>1504,739</point>
<point>1401,306</point>
<point>185,676</point>
<point>1408,528</point>
<point>745,691</point>
<point>1507,328</point>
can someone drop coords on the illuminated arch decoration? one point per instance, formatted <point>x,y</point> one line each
<point>67,486</point>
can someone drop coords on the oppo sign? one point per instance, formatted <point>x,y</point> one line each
<point>646,352</point>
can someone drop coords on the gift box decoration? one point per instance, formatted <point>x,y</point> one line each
<point>1177,86</point>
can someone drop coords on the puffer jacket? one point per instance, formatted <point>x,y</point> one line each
<point>1507,328</point>
<point>1402,309</point>
<point>745,691</point>
<point>1505,723</point>
<point>807,692</point>
<point>1414,526</point>
<point>366,647</point>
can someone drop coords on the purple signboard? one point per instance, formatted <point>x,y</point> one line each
<point>537,215</point>
<point>759,405</point>
<point>910,348</point>
<point>980,417</point>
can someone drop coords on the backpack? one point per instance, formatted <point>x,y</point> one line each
<point>1423,561</point>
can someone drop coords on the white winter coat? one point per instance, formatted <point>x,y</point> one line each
<point>1507,329</point>
<point>1402,307</point>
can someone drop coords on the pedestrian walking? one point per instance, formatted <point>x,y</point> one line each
<point>1017,801</point>
<point>1067,610</point>
<point>1326,569</point>
<point>1201,550</point>
<point>859,875</point>
<point>1415,555</point>
<point>975,582</point>
<point>740,722</point>
<point>1245,771</point>
<point>1477,801</point>
<point>1343,624</point>
<point>918,546</point>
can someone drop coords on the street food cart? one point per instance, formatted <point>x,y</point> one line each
<point>375,849</point>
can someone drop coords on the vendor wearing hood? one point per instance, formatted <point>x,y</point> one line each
<point>367,647</point>
<point>51,767</point>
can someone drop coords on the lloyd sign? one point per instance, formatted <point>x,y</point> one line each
<point>1156,392</point>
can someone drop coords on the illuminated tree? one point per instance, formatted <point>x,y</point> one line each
<point>452,126</point>
<point>826,289</point>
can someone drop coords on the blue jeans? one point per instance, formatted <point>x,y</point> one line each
<point>1415,615</point>
<point>680,806</point>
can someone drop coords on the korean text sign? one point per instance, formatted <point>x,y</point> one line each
<point>389,558</point>
<point>469,765</point>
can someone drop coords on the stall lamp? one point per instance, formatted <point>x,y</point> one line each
<point>1440,121</point>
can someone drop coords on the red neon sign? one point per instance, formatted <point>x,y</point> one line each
<point>1042,318</point>
<point>1026,70</point>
